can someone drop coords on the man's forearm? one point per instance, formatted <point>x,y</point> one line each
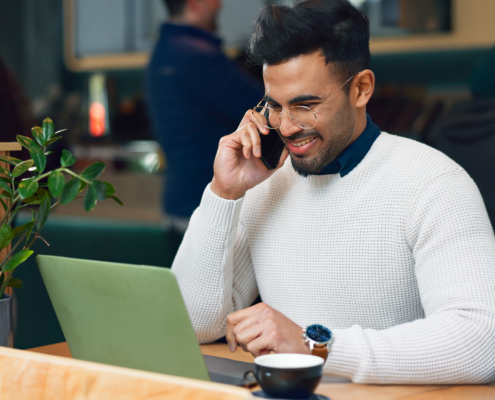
<point>451,347</point>
<point>204,265</point>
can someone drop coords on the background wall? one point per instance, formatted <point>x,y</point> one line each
<point>472,27</point>
<point>31,43</point>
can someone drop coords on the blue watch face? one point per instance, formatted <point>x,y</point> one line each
<point>318,333</point>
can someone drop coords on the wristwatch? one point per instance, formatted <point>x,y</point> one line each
<point>318,338</point>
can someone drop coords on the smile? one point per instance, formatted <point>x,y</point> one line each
<point>303,142</point>
<point>301,147</point>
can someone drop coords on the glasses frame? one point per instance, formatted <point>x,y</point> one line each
<point>291,117</point>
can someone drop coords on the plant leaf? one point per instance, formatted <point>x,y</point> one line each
<point>22,168</point>
<point>37,133</point>
<point>53,139</point>
<point>67,158</point>
<point>27,188</point>
<point>39,157</point>
<point>25,141</point>
<point>17,259</point>
<point>90,198</point>
<point>93,171</point>
<point>20,229</point>
<point>48,129</point>
<point>44,211</point>
<point>5,186</point>
<point>5,194</point>
<point>6,236</point>
<point>101,190</point>
<point>70,191</point>
<point>83,186</point>
<point>60,131</point>
<point>5,171</point>
<point>41,192</point>
<point>10,160</point>
<point>117,200</point>
<point>3,205</point>
<point>110,189</point>
<point>15,283</point>
<point>30,229</point>
<point>56,183</point>
<point>30,200</point>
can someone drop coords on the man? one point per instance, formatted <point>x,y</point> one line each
<point>381,241</point>
<point>196,95</point>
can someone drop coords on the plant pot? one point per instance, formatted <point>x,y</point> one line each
<point>6,321</point>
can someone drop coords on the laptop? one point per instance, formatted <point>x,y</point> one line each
<point>131,316</point>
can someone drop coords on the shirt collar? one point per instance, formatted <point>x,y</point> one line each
<point>354,154</point>
<point>170,29</point>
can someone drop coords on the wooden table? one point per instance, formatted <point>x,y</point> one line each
<point>341,391</point>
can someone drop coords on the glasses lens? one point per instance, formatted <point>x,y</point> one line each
<point>267,117</point>
<point>303,117</point>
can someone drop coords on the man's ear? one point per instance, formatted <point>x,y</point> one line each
<point>363,88</point>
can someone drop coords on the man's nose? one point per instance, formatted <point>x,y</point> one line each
<point>287,128</point>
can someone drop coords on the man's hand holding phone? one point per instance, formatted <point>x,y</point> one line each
<point>238,166</point>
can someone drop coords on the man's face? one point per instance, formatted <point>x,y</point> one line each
<point>307,81</point>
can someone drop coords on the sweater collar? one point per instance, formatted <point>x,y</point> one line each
<point>353,155</point>
<point>174,30</point>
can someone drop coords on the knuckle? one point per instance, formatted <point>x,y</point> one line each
<point>252,126</point>
<point>240,338</point>
<point>274,335</point>
<point>267,311</point>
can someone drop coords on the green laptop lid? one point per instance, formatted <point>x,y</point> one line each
<point>120,314</point>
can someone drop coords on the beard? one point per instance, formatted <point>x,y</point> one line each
<point>335,142</point>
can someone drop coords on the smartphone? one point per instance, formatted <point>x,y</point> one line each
<point>272,147</point>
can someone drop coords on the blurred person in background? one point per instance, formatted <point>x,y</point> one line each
<point>467,132</point>
<point>196,95</point>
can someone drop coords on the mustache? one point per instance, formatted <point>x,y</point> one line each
<point>301,136</point>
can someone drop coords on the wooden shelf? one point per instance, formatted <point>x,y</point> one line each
<point>10,146</point>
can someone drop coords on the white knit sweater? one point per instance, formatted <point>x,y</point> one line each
<point>397,259</point>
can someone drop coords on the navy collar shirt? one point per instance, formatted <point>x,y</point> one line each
<point>354,154</point>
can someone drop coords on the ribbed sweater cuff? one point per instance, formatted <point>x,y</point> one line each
<point>346,353</point>
<point>219,212</point>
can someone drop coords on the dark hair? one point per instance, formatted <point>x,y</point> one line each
<point>175,7</point>
<point>335,27</point>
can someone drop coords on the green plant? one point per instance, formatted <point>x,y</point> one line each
<point>40,189</point>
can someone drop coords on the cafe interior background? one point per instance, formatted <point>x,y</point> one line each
<point>67,55</point>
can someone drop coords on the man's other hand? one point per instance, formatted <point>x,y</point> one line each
<point>237,167</point>
<point>260,329</point>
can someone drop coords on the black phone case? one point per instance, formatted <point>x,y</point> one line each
<point>271,149</point>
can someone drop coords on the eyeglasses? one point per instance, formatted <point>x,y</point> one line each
<point>301,116</point>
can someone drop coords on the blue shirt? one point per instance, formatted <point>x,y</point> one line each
<point>353,155</point>
<point>195,95</point>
